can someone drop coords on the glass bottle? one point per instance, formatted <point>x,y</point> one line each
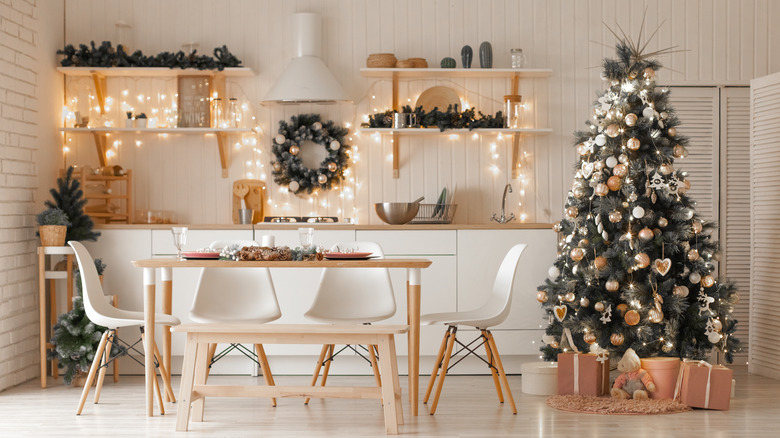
<point>233,113</point>
<point>217,110</point>
<point>518,58</point>
<point>513,111</point>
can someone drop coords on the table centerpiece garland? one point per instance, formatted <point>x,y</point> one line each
<point>264,253</point>
<point>452,118</point>
<point>106,55</point>
<point>288,168</point>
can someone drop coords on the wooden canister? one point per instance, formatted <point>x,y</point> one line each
<point>664,371</point>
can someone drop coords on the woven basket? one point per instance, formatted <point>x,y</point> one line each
<point>406,63</point>
<point>52,235</point>
<point>381,60</point>
<point>419,62</point>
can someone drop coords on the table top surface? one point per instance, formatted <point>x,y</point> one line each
<point>292,328</point>
<point>172,262</point>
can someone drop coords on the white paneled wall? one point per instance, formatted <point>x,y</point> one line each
<point>727,42</point>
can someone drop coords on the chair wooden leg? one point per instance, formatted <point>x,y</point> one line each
<point>436,366</point>
<point>265,368</point>
<point>327,365</point>
<point>317,369</point>
<point>490,359</point>
<point>444,366</point>
<point>165,374</point>
<point>374,364</point>
<point>92,371</point>
<point>500,367</point>
<point>104,358</point>
<point>155,382</point>
<point>212,352</point>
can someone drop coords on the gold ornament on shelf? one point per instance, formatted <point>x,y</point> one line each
<point>614,183</point>
<point>646,234</point>
<point>708,281</point>
<point>294,149</point>
<point>572,212</point>
<point>622,308</point>
<point>541,296</point>
<point>599,306</point>
<point>577,254</point>
<point>612,285</point>
<point>631,119</point>
<point>693,255</point>
<point>612,130</point>
<point>632,317</point>
<point>615,216</point>
<point>616,339</point>
<point>590,338</point>
<point>601,189</point>
<point>642,260</point>
<point>569,297</point>
<point>600,262</point>
<point>633,143</point>
<point>620,170</point>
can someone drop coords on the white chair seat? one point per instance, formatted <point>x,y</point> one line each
<point>472,318</point>
<point>129,318</point>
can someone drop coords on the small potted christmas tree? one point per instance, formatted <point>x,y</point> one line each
<point>53,224</point>
<point>69,198</point>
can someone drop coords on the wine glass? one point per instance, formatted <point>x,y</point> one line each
<point>307,236</point>
<point>179,239</point>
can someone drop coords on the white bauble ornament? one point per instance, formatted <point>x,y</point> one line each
<point>694,278</point>
<point>605,235</point>
<point>294,186</point>
<point>599,165</point>
<point>322,179</point>
<point>638,212</point>
<point>316,126</point>
<point>717,325</point>
<point>584,302</point>
<point>280,139</point>
<point>714,337</point>
<point>681,291</point>
<point>631,119</point>
<point>335,145</point>
<point>553,272</point>
<point>623,158</point>
<point>601,140</point>
<point>612,162</point>
<point>648,112</point>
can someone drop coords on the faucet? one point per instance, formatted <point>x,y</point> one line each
<point>503,219</point>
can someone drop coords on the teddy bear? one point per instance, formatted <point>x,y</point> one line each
<point>635,382</point>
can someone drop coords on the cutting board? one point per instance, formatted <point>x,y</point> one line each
<point>255,198</point>
<point>438,96</point>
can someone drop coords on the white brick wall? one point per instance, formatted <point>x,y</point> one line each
<point>19,121</point>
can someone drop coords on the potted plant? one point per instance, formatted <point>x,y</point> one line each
<point>69,198</point>
<point>140,120</point>
<point>130,119</point>
<point>53,225</point>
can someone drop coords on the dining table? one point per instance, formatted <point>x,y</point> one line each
<point>165,266</point>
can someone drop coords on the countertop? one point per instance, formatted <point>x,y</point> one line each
<point>331,226</point>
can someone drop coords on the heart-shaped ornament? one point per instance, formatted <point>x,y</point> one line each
<point>662,266</point>
<point>560,312</point>
<point>587,169</point>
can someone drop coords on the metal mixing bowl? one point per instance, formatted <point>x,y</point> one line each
<point>396,213</point>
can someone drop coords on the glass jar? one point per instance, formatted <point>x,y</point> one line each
<point>217,113</point>
<point>513,111</point>
<point>234,113</point>
<point>518,58</point>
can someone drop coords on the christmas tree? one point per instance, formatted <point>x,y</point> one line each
<point>635,261</point>
<point>69,198</point>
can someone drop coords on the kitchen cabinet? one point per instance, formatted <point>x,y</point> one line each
<point>101,133</point>
<point>445,73</point>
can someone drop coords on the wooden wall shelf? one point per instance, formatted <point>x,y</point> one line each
<point>154,71</point>
<point>456,72</point>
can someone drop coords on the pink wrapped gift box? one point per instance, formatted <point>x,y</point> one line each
<point>701,385</point>
<point>582,374</point>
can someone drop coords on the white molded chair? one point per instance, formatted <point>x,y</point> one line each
<point>492,313</point>
<point>100,312</point>
<point>350,295</point>
<point>236,295</point>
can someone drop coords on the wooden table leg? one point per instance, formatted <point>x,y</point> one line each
<point>149,285</point>
<point>185,388</point>
<point>413,291</point>
<point>167,308</point>
<point>389,401</point>
<point>42,312</point>
<point>201,367</point>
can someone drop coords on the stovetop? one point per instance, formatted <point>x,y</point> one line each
<point>304,219</point>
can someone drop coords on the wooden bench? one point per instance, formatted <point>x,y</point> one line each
<point>194,390</point>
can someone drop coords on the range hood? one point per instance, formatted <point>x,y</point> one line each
<point>306,79</point>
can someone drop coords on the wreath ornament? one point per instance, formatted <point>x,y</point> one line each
<point>288,168</point>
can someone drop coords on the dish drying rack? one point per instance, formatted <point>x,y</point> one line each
<point>429,214</point>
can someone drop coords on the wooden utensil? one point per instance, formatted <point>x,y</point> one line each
<point>438,96</point>
<point>252,192</point>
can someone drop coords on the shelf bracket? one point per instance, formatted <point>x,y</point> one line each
<point>396,137</point>
<point>222,145</point>
<point>100,144</point>
<point>100,90</point>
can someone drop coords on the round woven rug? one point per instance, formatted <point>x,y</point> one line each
<point>615,406</point>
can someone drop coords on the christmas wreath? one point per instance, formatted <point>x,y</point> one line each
<point>288,168</point>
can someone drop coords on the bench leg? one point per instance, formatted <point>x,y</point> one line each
<point>389,400</point>
<point>201,374</point>
<point>266,369</point>
<point>396,382</point>
<point>317,369</point>
<point>185,388</point>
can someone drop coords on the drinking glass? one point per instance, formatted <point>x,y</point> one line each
<point>306,235</point>
<point>179,239</point>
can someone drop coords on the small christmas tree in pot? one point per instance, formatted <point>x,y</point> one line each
<point>635,261</point>
<point>53,225</point>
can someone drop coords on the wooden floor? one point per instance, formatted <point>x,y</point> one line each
<point>468,408</point>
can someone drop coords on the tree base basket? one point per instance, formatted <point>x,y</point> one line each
<point>52,235</point>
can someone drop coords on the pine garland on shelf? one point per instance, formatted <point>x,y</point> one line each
<point>106,55</point>
<point>451,119</point>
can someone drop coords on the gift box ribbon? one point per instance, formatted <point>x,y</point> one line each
<point>567,333</point>
<point>700,363</point>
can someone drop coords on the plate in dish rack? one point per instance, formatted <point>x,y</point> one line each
<point>347,255</point>
<point>199,255</point>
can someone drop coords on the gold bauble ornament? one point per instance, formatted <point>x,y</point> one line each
<point>332,166</point>
<point>582,149</point>
<point>666,169</point>
<point>620,170</point>
<point>681,291</point>
<point>612,285</point>
<point>577,254</point>
<point>612,130</point>
<point>569,296</point>
<point>584,243</point>
<point>672,132</point>
<point>590,338</point>
<point>599,306</point>
<point>656,232</point>
<point>557,227</point>
<point>632,317</point>
<point>616,339</point>
<point>572,212</point>
<point>642,260</point>
<point>578,192</point>
<point>697,227</point>
<point>600,262</point>
<point>622,308</point>
<point>708,281</point>
<point>294,149</point>
<point>655,315</point>
<point>717,325</point>
<point>599,165</point>
<point>554,344</point>
<point>633,143</point>
<point>631,119</point>
<point>667,348</point>
<point>322,179</point>
<point>584,302</point>
<point>733,298</point>
<point>662,222</point>
<point>615,216</point>
<point>541,296</point>
<point>693,255</point>
<point>601,189</point>
<point>614,182</point>
<point>277,167</point>
<point>646,234</point>
<point>678,151</point>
